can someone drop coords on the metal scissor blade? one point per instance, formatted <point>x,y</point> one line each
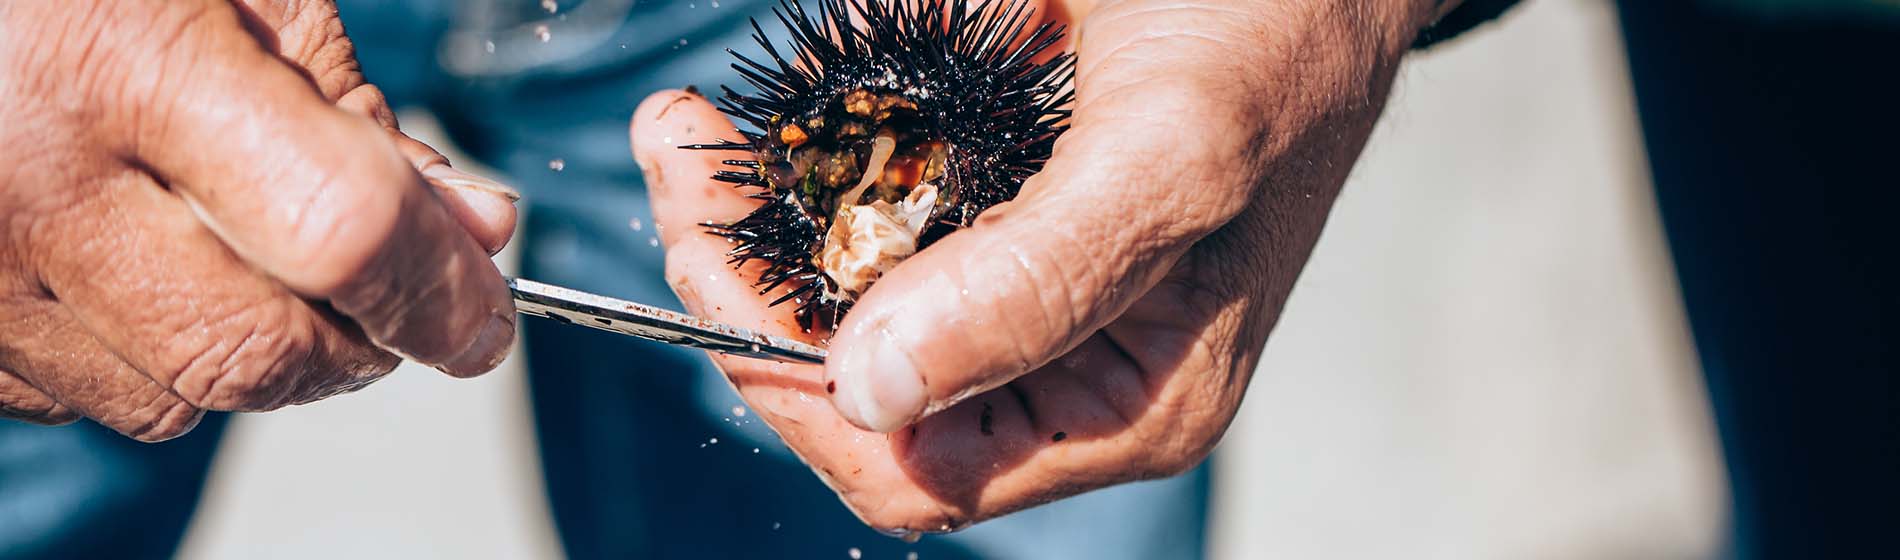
<point>652,323</point>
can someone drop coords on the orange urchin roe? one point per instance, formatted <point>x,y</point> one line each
<point>792,135</point>
<point>860,102</point>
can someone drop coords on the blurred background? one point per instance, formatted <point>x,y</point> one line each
<point>1486,358</point>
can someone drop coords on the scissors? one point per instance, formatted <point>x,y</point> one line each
<point>652,323</point>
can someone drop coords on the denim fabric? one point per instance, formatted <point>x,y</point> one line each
<point>1771,145</point>
<point>83,491</point>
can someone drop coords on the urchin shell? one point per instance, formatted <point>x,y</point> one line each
<point>965,87</point>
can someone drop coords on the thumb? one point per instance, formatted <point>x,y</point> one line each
<point>1029,281</point>
<point>321,200</point>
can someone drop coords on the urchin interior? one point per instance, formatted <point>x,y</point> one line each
<point>885,128</point>
<point>866,164</point>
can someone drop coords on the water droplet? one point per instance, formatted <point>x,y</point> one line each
<point>488,46</point>
<point>854,553</point>
<point>653,241</point>
<point>541,32</point>
<point>636,224</point>
<point>739,411</point>
<point>774,525</point>
<point>713,441</point>
<point>682,42</point>
<point>755,451</point>
<point>557,164</point>
<point>667,139</point>
<point>911,556</point>
<point>550,5</point>
<point>715,4</point>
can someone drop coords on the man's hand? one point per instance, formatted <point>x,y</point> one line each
<point>1102,327</point>
<point>204,206</point>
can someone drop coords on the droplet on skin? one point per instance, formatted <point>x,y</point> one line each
<point>557,164</point>
<point>855,554</point>
<point>541,32</point>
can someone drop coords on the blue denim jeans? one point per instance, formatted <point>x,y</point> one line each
<point>620,421</point>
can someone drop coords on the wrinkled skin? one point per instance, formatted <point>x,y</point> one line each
<point>1122,301</point>
<point>203,206</point>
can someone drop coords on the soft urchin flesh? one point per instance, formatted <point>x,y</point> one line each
<point>870,139</point>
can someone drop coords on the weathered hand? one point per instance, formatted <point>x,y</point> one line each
<point>204,206</point>
<point>1102,327</point>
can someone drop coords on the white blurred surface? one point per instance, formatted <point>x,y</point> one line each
<point>1485,359</point>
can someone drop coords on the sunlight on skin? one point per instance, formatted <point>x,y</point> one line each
<point>1149,259</point>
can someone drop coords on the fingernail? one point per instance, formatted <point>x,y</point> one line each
<point>463,181</point>
<point>491,346</point>
<point>878,386</point>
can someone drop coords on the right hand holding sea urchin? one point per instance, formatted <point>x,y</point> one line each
<point>1102,326</point>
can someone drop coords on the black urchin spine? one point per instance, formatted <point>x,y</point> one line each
<point>953,84</point>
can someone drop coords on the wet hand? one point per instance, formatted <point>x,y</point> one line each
<point>1100,328</point>
<point>206,207</point>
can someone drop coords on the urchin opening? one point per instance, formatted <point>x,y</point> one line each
<point>870,143</point>
<point>867,164</point>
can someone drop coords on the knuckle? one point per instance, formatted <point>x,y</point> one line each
<point>262,355</point>
<point>58,416</point>
<point>148,413</point>
<point>167,422</point>
<point>22,402</point>
<point>45,416</point>
<point>341,226</point>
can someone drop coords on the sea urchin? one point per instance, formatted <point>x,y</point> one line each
<point>877,137</point>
